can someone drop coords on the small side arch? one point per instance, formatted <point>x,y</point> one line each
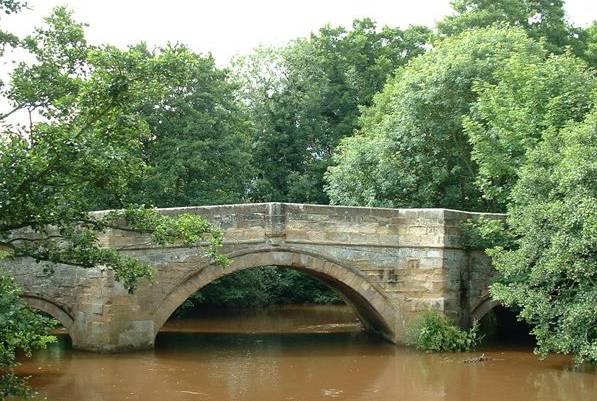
<point>49,307</point>
<point>371,305</point>
<point>484,307</point>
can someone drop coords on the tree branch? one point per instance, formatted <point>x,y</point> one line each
<point>8,114</point>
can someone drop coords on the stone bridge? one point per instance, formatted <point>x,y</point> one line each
<point>388,264</point>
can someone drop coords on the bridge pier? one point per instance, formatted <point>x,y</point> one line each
<point>121,336</point>
<point>114,328</point>
<point>389,264</point>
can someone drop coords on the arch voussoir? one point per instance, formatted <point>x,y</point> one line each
<point>484,307</point>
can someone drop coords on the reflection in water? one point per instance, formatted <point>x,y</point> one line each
<point>213,358</point>
<point>281,319</point>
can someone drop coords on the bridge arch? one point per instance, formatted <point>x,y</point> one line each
<point>51,308</point>
<point>485,305</point>
<point>371,305</point>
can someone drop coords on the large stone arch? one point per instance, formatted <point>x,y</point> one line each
<point>51,308</point>
<point>371,305</point>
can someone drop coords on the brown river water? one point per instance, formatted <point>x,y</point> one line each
<point>299,353</point>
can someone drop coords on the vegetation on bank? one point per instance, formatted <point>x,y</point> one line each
<point>492,110</point>
<point>434,332</point>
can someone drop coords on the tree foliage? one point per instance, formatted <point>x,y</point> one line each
<point>305,97</point>
<point>301,100</point>
<point>80,147</point>
<point>543,20</point>
<point>412,150</point>
<point>590,39</point>
<point>530,98</point>
<point>199,151</point>
<point>551,272</point>
<point>261,287</point>
<point>84,149</point>
<point>20,329</point>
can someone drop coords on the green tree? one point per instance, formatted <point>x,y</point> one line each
<point>551,272</point>
<point>305,97</point>
<point>85,147</point>
<point>412,149</point>
<point>590,39</point>
<point>199,150</point>
<point>81,146</point>
<point>531,97</point>
<point>541,19</point>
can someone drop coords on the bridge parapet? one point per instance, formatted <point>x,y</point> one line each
<point>318,223</point>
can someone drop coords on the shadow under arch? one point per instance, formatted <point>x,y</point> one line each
<point>501,324</point>
<point>371,305</point>
<point>50,308</point>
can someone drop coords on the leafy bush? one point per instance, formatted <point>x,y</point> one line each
<point>434,332</point>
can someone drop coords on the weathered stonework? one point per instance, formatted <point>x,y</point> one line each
<point>389,264</point>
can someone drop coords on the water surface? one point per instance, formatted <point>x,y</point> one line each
<point>299,353</point>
